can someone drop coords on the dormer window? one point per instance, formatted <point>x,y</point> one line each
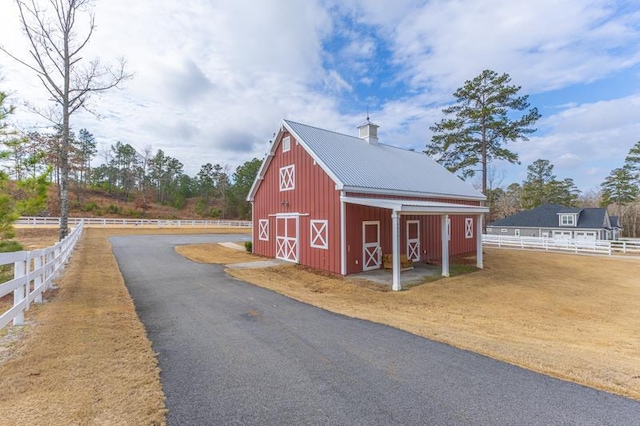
<point>567,220</point>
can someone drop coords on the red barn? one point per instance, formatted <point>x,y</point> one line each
<point>337,202</point>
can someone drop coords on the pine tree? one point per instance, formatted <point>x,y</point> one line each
<point>619,188</point>
<point>478,124</point>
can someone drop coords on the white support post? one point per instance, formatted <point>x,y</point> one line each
<point>395,239</point>
<point>18,293</point>
<point>343,238</point>
<point>479,259</point>
<point>445,245</point>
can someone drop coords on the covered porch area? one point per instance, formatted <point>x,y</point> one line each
<point>402,207</point>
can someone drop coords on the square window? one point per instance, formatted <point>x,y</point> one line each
<point>319,234</point>
<point>263,229</point>
<point>287,178</point>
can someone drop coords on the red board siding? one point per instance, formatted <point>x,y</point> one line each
<point>314,198</point>
<point>430,233</point>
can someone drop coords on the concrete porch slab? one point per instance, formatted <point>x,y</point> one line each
<point>412,276</point>
<point>257,264</point>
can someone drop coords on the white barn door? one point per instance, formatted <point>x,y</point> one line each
<point>371,251</point>
<point>287,238</point>
<point>413,240</point>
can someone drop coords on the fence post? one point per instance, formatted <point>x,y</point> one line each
<point>18,293</point>
<point>27,284</point>
<point>48,270</point>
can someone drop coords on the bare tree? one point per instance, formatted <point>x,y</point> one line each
<point>55,57</point>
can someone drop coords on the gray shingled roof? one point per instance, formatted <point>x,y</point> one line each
<point>357,164</point>
<point>614,221</point>
<point>546,216</point>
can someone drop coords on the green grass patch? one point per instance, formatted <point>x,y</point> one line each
<point>455,269</point>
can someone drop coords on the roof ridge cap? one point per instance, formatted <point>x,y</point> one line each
<point>324,130</point>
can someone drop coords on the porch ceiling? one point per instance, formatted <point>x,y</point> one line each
<point>416,207</point>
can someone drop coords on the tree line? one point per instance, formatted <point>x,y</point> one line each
<point>129,174</point>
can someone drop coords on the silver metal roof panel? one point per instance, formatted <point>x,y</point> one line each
<point>383,168</point>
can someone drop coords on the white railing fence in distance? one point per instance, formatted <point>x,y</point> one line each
<point>33,273</point>
<point>96,221</point>
<point>604,247</point>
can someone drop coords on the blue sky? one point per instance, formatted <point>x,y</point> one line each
<point>213,79</point>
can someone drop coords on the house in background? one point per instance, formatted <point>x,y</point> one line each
<point>556,221</point>
<point>337,203</point>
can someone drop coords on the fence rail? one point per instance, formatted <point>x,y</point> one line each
<point>93,221</point>
<point>33,273</point>
<point>604,247</point>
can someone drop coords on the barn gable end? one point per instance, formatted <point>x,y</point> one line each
<point>297,194</point>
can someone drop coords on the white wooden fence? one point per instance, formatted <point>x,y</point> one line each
<point>93,221</point>
<point>33,274</point>
<point>603,247</point>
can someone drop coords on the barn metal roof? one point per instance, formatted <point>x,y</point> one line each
<point>358,166</point>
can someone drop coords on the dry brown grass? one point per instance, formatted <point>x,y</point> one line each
<point>84,357</point>
<point>202,253</point>
<point>568,316</point>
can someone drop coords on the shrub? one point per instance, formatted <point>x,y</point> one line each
<point>135,214</point>
<point>248,246</point>
<point>10,246</point>
<point>90,206</point>
<point>111,209</point>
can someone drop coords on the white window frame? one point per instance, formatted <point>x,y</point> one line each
<point>287,178</point>
<point>286,144</point>
<point>566,235</point>
<point>516,232</point>
<point>504,230</point>
<point>570,220</point>
<point>468,227</point>
<point>263,229</point>
<point>319,230</point>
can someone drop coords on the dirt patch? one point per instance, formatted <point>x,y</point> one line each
<point>568,316</point>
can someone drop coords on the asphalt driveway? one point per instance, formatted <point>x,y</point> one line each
<point>233,353</point>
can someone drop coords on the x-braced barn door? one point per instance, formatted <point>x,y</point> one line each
<point>372,253</point>
<point>287,238</point>
<point>413,240</point>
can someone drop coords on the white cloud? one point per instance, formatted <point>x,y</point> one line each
<point>543,44</point>
<point>586,138</point>
<point>213,78</point>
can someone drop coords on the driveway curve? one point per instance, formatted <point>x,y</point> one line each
<point>234,353</point>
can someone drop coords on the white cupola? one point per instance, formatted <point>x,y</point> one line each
<point>369,132</point>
